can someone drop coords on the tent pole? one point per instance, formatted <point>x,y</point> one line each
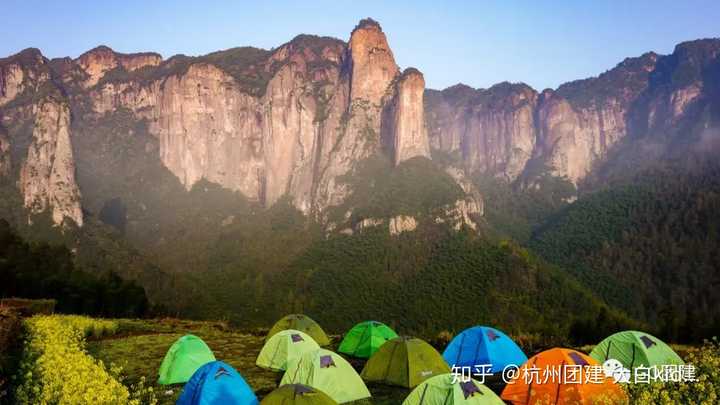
<point>607,353</point>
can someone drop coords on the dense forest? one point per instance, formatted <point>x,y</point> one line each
<point>424,282</point>
<point>40,270</point>
<point>647,244</point>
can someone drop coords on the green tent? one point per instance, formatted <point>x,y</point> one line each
<point>633,348</point>
<point>405,362</point>
<point>302,323</point>
<point>284,347</point>
<point>297,394</point>
<point>365,338</point>
<point>185,356</point>
<point>440,390</point>
<point>328,372</point>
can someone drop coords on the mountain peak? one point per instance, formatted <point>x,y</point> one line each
<point>410,72</point>
<point>98,50</point>
<point>27,56</point>
<point>321,46</point>
<point>368,23</point>
<point>708,44</point>
<point>97,61</point>
<point>373,63</point>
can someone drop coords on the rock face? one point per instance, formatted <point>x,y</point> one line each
<point>371,62</point>
<point>395,225</point>
<point>23,71</point>
<point>407,122</point>
<point>463,211</point>
<point>473,201</point>
<point>368,223</point>
<point>580,123</point>
<point>11,82</point>
<point>492,130</point>
<point>295,121</point>
<point>562,144</point>
<point>207,128</point>
<point>363,95</point>
<point>5,158</point>
<point>210,127</point>
<point>98,61</point>
<point>510,130</point>
<point>321,112</point>
<point>402,223</point>
<point>47,178</point>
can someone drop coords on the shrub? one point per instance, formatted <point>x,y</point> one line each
<point>30,307</point>
<point>704,391</point>
<point>55,368</point>
<point>442,339</point>
<point>10,331</point>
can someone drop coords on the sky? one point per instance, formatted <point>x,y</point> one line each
<point>479,43</point>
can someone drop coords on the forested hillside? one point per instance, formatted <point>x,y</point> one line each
<point>649,245</point>
<point>424,282</point>
<point>40,270</point>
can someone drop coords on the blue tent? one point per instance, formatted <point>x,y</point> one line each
<point>217,383</point>
<point>481,345</point>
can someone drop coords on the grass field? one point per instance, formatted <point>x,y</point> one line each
<point>139,347</point>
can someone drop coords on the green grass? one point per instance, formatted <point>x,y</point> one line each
<point>139,347</point>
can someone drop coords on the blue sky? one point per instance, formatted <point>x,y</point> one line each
<point>479,43</point>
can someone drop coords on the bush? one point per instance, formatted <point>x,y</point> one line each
<point>30,307</point>
<point>704,391</point>
<point>10,331</point>
<point>50,278</point>
<point>442,339</point>
<point>55,368</point>
<point>10,327</point>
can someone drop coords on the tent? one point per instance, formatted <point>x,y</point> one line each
<point>302,323</point>
<point>328,372</point>
<point>568,381</point>
<point>365,338</point>
<point>482,345</point>
<point>633,349</point>
<point>297,394</point>
<point>441,390</point>
<point>405,362</point>
<point>185,356</point>
<point>284,347</point>
<point>217,383</point>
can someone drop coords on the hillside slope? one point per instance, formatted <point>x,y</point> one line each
<point>648,245</point>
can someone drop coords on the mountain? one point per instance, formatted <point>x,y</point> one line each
<point>267,124</point>
<point>646,104</point>
<point>245,169</point>
<point>293,120</point>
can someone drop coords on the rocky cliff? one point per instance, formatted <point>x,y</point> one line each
<point>98,61</point>
<point>405,121</point>
<point>371,63</point>
<point>287,122</point>
<point>296,120</point>
<point>365,89</point>
<point>319,113</point>
<point>47,177</point>
<point>492,130</point>
<point>510,130</point>
<point>22,74</point>
<point>5,157</point>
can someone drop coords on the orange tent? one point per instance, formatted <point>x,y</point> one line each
<point>562,377</point>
